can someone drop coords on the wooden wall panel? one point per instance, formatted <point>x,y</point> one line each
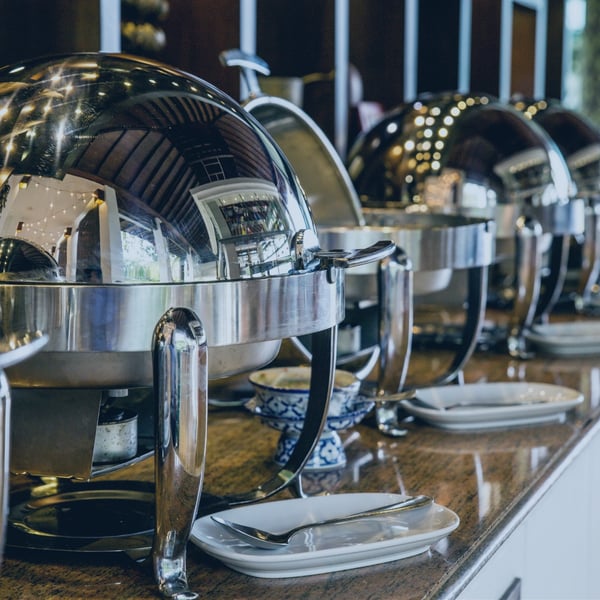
<point>438,45</point>
<point>32,28</point>
<point>554,48</point>
<point>296,38</point>
<point>485,46</point>
<point>377,48</point>
<point>523,51</point>
<point>196,32</point>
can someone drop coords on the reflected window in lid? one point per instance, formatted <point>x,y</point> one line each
<point>151,134</point>
<point>247,227</point>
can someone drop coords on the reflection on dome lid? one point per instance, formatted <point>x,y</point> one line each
<point>577,138</point>
<point>129,171</point>
<point>26,261</point>
<point>457,153</point>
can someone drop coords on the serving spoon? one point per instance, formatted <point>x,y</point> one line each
<point>271,541</point>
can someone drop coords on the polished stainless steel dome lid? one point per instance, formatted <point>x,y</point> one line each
<point>129,171</point>
<point>466,154</point>
<point>576,136</point>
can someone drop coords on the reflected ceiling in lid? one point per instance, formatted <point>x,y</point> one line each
<point>102,160</point>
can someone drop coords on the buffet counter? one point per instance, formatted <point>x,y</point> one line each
<point>495,481</point>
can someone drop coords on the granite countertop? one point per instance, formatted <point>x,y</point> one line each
<point>490,479</point>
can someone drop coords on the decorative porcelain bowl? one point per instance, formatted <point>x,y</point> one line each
<point>281,399</point>
<point>329,451</point>
<point>283,392</point>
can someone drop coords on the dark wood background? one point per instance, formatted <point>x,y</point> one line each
<point>296,38</point>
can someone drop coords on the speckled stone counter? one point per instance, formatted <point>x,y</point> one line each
<point>490,479</point>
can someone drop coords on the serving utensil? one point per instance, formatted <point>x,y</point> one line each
<point>481,404</point>
<point>271,541</point>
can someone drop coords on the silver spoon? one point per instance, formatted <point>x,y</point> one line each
<point>424,404</point>
<point>270,541</point>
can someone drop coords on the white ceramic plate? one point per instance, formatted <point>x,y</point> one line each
<point>491,405</point>
<point>325,549</point>
<point>577,338</point>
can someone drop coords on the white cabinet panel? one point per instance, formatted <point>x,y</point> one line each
<point>557,538</point>
<point>555,551</point>
<point>593,499</point>
<point>498,574</point>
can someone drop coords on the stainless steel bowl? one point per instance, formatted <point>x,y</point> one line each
<point>436,244</point>
<point>441,248</point>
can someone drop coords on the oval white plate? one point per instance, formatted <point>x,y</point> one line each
<point>577,338</point>
<point>490,405</point>
<point>325,549</point>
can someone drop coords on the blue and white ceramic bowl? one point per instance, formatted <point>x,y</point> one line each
<point>283,392</point>
<point>329,451</point>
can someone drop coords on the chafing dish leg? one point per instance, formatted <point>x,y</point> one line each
<point>395,284</point>
<point>476,301</point>
<point>555,281</point>
<point>395,338</point>
<point>590,268</point>
<point>180,387</point>
<point>528,237</point>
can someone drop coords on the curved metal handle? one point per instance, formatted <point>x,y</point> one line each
<point>355,258</point>
<point>249,65</point>
<point>553,283</point>
<point>590,268</point>
<point>323,344</point>
<point>529,262</point>
<point>179,354</point>
<point>476,303</point>
<point>238,58</point>
<point>395,283</point>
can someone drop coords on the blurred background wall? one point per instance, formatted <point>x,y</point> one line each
<point>396,48</point>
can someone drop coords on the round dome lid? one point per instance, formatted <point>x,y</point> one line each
<point>577,138</point>
<point>460,153</point>
<point>127,171</point>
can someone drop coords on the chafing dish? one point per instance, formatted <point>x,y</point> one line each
<point>578,139</point>
<point>471,155</point>
<point>378,298</point>
<point>159,237</point>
